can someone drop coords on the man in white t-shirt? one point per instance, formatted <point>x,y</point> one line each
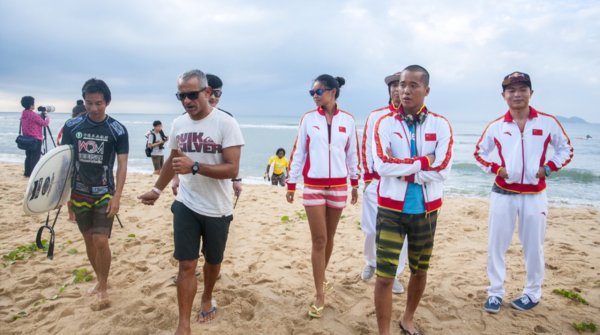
<point>205,151</point>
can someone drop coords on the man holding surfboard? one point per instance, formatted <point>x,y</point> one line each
<point>205,152</point>
<point>97,140</point>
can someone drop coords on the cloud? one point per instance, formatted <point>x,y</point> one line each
<point>267,53</point>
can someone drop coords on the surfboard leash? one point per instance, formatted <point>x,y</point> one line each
<point>119,219</point>
<point>38,238</point>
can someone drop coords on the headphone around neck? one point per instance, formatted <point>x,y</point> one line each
<point>412,120</point>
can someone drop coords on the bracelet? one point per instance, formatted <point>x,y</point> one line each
<point>236,180</point>
<point>156,190</point>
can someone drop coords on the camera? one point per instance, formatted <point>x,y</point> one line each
<point>46,109</point>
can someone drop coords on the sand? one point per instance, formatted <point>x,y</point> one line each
<point>266,283</point>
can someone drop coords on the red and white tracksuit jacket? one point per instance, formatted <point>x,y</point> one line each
<point>433,136</point>
<point>367,140</point>
<point>522,154</point>
<point>325,157</point>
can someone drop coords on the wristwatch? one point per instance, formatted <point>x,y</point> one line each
<point>547,170</point>
<point>195,167</point>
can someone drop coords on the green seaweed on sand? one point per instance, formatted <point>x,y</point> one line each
<point>82,275</point>
<point>570,295</point>
<point>22,252</point>
<point>585,326</point>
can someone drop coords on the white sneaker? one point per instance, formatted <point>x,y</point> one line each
<point>367,273</point>
<point>397,288</point>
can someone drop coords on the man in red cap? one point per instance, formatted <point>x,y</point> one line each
<point>521,138</point>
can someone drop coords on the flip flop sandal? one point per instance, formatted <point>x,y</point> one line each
<point>315,312</point>
<point>203,315</point>
<point>405,331</point>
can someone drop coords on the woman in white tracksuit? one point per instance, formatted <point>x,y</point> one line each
<point>326,155</point>
<point>521,138</point>
<point>369,203</point>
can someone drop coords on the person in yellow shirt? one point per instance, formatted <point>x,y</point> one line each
<point>280,165</point>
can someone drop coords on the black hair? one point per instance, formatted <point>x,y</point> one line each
<point>156,123</point>
<point>78,109</point>
<point>280,149</point>
<point>27,101</point>
<point>96,86</point>
<point>331,82</point>
<point>419,68</point>
<point>214,81</point>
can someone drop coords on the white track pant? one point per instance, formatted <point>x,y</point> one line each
<point>367,223</point>
<point>531,210</point>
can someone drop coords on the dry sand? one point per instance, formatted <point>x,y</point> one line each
<point>266,285</point>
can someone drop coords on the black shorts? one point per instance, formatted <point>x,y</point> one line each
<point>189,227</point>
<point>94,221</point>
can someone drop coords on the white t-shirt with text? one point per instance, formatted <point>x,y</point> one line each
<point>203,141</point>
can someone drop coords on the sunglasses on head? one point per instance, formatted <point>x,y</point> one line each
<point>217,93</point>
<point>318,91</point>
<point>193,95</point>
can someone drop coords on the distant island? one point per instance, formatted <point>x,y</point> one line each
<point>572,119</point>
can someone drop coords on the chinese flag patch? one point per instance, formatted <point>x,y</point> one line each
<point>342,129</point>
<point>538,132</point>
<point>430,137</point>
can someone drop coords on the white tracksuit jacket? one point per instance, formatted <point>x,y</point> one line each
<point>433,136</point>
<point>325,157</point>
<point>522,154</point>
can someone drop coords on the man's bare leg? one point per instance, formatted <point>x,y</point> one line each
<point>186,291</point>
<point>211,274</point>
<point>103,259</point>
<point>383,303</point>
<point>91,253</point>
<point>416,286</point>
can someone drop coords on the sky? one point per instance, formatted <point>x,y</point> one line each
<point>268,52</point>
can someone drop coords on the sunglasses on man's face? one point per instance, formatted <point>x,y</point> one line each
<point>217,93</point>
<point>318,91</point>
<point>193,95</point>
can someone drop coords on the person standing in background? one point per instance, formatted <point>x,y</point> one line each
<point>326,154</point>
<point>32,125</point>
<point>521,138</point>
<point>280,168</point>
<point>156,142</point>
<point>371,178</point>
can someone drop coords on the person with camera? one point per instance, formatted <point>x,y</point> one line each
<point>156,142</point>
<point>32,125</point>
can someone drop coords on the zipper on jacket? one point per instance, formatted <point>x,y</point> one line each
<point>522,157</point>
<point>329,126</point>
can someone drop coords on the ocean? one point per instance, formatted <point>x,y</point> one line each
<point>578,184</point>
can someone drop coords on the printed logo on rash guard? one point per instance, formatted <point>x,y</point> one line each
<point>342,129</point>
<point>538,132</point>
<point>90,147</point>
<point>397,133</point>
<point>430,137</point>
<point>508,133</point>
<point>196,142</point>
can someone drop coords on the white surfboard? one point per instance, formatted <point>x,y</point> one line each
<point>50,183</point>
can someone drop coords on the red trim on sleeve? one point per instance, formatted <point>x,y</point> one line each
<point>291,187</point>
<point>410,178</point>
